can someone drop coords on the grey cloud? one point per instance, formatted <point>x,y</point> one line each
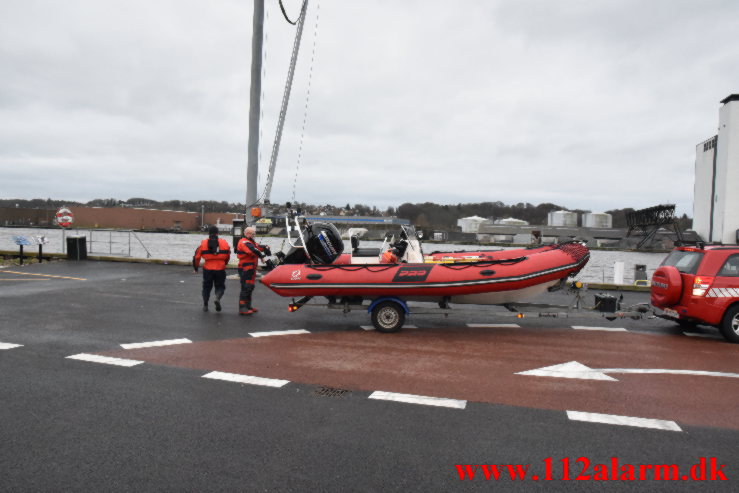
<point>586,104</point>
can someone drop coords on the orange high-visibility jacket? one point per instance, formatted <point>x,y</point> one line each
<point>215,251</point>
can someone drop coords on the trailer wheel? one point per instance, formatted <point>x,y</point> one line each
<point>730,324</point>
<point>388,316</point>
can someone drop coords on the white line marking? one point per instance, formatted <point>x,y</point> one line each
<point>698,334</point>
<point>498,326</point>
<point>235,377</point>
<point>418,399</point>
<point>612,419</point>
<point>94,358</point>
<point>155,343</point>
<point>278,333</point>
<point>372,327</point>
<point>607,329</point>
<point>7,345</point>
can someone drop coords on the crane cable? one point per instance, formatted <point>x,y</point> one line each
<point>282,7</point>
<point>285,101</point>
<point>307,100</point>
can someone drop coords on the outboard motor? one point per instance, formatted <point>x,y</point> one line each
<point>323,242</point>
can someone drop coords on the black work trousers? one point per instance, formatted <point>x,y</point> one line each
<point>212,278</point>
<point>246,278</point>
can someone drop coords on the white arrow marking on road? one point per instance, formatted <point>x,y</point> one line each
<point>7,345</point>
<point>573,369</point>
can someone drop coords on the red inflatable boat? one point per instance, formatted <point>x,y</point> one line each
<point>492,277</point>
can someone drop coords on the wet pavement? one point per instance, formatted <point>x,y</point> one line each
<point>300,411</point>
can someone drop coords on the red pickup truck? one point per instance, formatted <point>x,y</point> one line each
<point>700,285</point>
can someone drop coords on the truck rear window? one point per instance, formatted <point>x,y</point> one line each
<point>685,262</point>
<point>731,267</point>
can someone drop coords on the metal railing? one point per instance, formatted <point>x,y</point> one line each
<point>107,240</point>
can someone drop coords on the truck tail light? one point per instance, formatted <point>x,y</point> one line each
<point>701,285</point>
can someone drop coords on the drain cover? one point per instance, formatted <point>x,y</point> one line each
<point>330,392</point>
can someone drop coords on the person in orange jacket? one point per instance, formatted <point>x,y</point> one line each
<point>216,252</point>
<point>249,252</point>
<point>390,256</point>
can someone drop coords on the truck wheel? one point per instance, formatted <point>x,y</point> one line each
<point>730,324</point>
<point>388,316</point>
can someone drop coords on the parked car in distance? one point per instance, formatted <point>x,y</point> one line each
<point>700,285</point>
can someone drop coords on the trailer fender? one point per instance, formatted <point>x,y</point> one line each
<point>389,298</point>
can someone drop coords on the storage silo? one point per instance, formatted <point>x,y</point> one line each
<point>511,221</point>
<point>715,201</point>
<point>562,218</point>
<point>597,220</point>
<point>470,224</point>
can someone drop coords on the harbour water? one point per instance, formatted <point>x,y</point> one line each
<point>171,246</point>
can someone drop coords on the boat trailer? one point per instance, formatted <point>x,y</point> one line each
<point>388,313</point>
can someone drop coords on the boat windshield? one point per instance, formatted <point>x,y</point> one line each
<point>408,233</point>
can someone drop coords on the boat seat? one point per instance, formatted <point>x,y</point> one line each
<point>366,252</point>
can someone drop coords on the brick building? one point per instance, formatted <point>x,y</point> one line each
<point>117,218</point>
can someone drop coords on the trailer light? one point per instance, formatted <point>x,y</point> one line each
<point>292,308</point>
<point>519,315</point>
<point>701,285</point>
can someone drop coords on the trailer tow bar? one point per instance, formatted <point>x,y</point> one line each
<point>296,305</point>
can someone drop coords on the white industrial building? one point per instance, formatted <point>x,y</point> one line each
<point>562,218</point>
<point>715,200</point>
<point>511,221</point>
<point>470,224</point>
<point>597,220</point>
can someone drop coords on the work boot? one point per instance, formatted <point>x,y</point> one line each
<point>218,305</point>
<point>205,307</point>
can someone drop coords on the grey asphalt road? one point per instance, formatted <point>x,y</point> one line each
<point>69,425</point>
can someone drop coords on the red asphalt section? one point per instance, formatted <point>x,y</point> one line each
<point>480,365</point>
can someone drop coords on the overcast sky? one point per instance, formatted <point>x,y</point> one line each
<point>588,104</point>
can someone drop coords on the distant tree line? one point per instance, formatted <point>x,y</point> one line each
<point>198,206</point>
<point>175,205</point>
<point>427,214</point>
